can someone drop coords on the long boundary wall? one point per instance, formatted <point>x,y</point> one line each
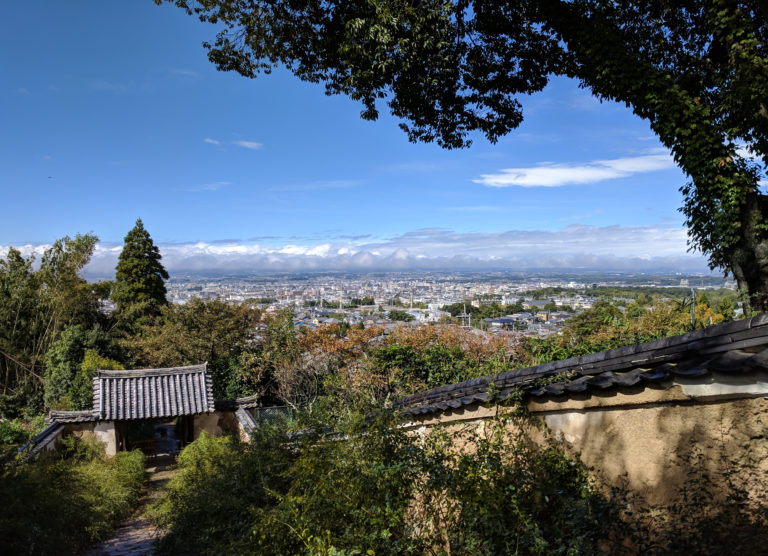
<point>652,439</point>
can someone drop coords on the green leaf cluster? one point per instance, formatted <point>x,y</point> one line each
<point>36,307</point>
<point>70,364</point>
<point>214,331</point>
<point>432,366</point>
<point>485,311</point>
<point>398,315</point>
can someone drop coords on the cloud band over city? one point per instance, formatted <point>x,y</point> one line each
<point>574,247</point>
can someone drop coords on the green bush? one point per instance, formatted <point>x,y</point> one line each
<point>11,432</point>
<point>509,494</point>
<point>371,488</point>
<point>432,365</point>
<point>63,502</point>
<point>349,492</point>
<point>17,431</point>
<point>219,488</point>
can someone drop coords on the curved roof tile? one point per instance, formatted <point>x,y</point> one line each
<point>735,347</point>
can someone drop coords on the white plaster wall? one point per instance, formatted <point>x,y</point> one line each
<point>724,386</point>
<point>651,439</point>
<point>105,432</point>
<point>52,443</point>
<point>208,422</point>
<point>101,431</point>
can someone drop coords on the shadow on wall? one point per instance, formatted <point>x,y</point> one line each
<point>691,473</point>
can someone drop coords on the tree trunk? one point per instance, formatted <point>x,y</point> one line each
<point>725,212</point>
<point>749,261</point>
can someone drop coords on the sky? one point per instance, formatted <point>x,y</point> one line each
<point>110,111</point>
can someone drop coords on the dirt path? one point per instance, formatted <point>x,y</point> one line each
<point>136,535</point>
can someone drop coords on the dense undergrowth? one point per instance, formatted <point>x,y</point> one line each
<point>61,503</point>
<point>372,488</point>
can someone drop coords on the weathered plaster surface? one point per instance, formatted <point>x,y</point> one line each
<point>104,431</point>
<point>652,440</point>
<point>208,422</point>
<point>52,443</point>
<point>216,423</point>
<point>657,447</point>
<point>724,386</point>
<point>101,431</point>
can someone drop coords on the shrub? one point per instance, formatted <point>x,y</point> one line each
<point>509,494</point>
<point>221,484</point>
<point>373,488</point>
<point>64,502</point>
<point>12,432</point>
<point>18,431</point>
<point>499,487</point>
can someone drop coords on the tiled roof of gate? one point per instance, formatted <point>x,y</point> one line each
<point>247,402</point>
<point>246,420</point>
<point>151,393</point>
<point>735,347</point>
<point>70,416</point>
<point>36,444</point>
<point>138,394</point>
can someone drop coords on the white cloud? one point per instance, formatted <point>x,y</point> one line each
<point>23,91</point>
<point>309,250</point>
<point>26,250</point>
<point>639,164</point>
<point>184,72</point>
<point>557,175</point>
<point>212,141</point>
<point>214,186</point>
<point>319,185</point>
<point>574,247</point>
<point>253,145</point>
<point>745,151</point>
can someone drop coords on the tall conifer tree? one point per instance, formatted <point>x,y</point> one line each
<point>140,279</point>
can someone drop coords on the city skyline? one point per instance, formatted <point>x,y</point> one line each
<point>114,113</point>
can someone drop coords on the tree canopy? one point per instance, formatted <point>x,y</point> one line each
<point>400,315</point>
<point>36,306</point>
<point>221,333</point>
<point>697,70</point>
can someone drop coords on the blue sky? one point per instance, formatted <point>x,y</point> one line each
<point>111,111</point>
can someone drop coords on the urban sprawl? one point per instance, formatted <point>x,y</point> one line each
<point>385,298</point>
